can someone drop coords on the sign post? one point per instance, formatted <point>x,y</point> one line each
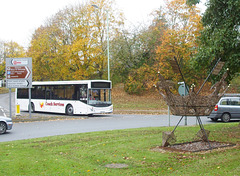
<point>19,75</point>
<point>183,91</point>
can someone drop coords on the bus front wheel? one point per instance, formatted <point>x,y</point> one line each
<point>69,110</point>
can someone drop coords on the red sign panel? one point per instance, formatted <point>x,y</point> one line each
<point>18,72</point>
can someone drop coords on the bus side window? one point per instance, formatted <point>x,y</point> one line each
<point>48,94</point>
<point>33,92</point>
<point>22,93</point>
<point>69,92</point>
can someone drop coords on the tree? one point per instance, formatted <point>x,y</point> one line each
<point>135,54</point>
<point>221,36</point>
<point>9,50</point>
<point>142,73</point>
<point>2,61</point>
<point>72,44</point>
<point>179,40</point>
<point>44,50</point>
<point>192,2</point>
<point>131,51</point>
<point>173,34</point>
<point>13,50</point>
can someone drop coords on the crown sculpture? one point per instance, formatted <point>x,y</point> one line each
<point>193,104</point>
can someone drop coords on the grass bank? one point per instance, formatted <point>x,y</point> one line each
<point>89,153</point>
<point>4,90</point>
<point>149,103</point>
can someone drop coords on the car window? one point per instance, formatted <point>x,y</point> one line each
<point>235,102</point>
<point>224,102</point>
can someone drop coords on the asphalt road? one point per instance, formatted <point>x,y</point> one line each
<point>98,123</point>
<point>77,124</point>
<point>4,104</point>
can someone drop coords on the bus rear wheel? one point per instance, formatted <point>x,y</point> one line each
<point>69,110</point>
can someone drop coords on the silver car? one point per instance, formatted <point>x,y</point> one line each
<point>5,124</point>
<point>227,108</point>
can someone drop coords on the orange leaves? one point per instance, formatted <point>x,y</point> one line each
<point>179,40</point>
<point>173,34</point>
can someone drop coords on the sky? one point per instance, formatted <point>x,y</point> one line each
<point>20,18</point>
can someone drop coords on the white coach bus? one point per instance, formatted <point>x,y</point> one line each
<point>71,97</point>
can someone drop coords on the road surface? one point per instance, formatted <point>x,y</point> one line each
<point>4,104</point>
<point>78,124</point>
<point>98,123</point>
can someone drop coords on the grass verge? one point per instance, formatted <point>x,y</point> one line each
<point>89,153</point>
<point>4,90</point>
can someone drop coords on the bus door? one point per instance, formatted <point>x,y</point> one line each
<point>82,96</point>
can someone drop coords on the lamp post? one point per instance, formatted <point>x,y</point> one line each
<point>108,55</point>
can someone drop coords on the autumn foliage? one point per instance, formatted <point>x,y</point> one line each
<point>180,39</point>
<point>180,26</point>
<point>72,44</point>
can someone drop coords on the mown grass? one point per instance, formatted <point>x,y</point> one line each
<point>88,153</point>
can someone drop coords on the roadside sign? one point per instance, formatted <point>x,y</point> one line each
<point>18,83</point>
<point>19,72</point>
<point>182,90</point>
<point>19,61</point>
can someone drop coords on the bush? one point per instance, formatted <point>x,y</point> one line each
<point>235,83</point>
<point>140,80</point>
<point>134,87</point>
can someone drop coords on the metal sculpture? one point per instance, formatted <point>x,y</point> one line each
<point>192,104</point>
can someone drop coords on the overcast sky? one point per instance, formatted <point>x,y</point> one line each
<point>19,18</point>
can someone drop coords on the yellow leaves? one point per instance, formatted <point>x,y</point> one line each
<point>13,50</point>
<point>72,44</point>
<point>179,39</point>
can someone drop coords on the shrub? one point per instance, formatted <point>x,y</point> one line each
<point>140,80</point>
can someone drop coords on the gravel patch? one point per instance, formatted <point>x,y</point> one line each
<point>195,146</point>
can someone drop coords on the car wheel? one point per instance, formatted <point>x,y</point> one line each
<point>214,120</point>
<point>3,127</point>
<point>69,110</point>
<point>226,117</point>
